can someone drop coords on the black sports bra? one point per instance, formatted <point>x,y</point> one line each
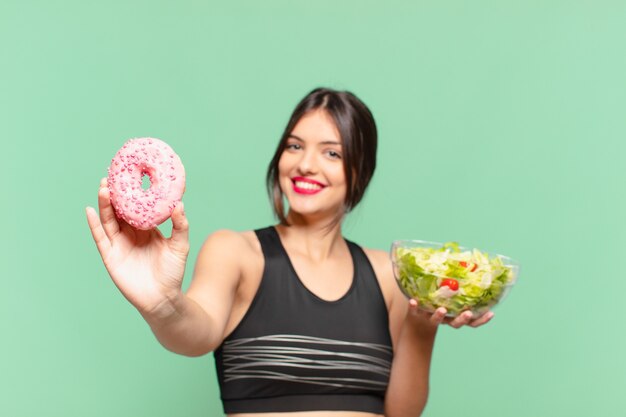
<point>293,351</point>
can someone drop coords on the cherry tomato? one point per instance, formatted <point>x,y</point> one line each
<point>464,265</point>
<point>453,284</point>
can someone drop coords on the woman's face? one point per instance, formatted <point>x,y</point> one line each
<point>310,169</point>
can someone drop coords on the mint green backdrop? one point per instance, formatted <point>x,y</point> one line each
<point>501,126</point>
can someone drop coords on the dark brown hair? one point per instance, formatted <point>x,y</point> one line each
<point>359,138</point>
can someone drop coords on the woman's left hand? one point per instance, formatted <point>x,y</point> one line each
<point>439,317</point>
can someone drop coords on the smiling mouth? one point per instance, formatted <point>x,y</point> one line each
<point>306,187</point>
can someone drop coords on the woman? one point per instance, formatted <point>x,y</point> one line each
<point>301,320</point>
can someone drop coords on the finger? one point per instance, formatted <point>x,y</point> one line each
<point>179,241</point>
<point>107,214</point>
<point>99,236</point>
<point>484,319</point>
<point>438,316</point>
<point>462,319</point>
<point>413,310</point>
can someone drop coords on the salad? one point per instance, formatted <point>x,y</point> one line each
<point>449,277</point>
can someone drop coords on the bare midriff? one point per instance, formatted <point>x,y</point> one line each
<point>310,414</point>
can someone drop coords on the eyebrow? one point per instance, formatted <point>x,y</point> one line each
<point>326,142</point>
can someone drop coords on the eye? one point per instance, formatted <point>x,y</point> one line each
<point>333,154</point>
<point>293,146</point>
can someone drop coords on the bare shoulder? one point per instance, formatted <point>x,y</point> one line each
<point>379,259</point>
<point>222,274</point>
<point>230,243</point>
<point>396,301</point>
<point>229,255</point>
<point>226,258</point>
<point>384,273</point>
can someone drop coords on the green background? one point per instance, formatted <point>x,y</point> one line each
<point>501,126</point>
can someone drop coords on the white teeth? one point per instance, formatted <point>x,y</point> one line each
<point>307,185</point>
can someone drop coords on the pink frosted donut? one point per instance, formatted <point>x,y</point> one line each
<point>145,209</point>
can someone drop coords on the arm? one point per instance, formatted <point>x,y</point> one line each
<point>412,345</point>
<point>148,270</point>
<point>413,336</point>
<point>193,324</point>
<point>413,341</point>
<point>408,386</point>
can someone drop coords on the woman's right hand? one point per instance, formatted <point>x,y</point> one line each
<point>145,266</point>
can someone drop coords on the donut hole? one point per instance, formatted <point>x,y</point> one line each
<point>146,181</point>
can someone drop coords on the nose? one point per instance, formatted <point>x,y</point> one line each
<point>307,164</point>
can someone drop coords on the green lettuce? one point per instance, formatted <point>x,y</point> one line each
<point>481,280</point>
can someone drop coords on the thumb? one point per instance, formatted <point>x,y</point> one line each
<point>413,303</point>
<point>179,241</point>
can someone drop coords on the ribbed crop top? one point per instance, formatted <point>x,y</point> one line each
<point>294,351</point>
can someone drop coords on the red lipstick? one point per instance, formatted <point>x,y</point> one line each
<point>302,185</point>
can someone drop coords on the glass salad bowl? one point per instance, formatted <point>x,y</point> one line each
<point>448,275</point>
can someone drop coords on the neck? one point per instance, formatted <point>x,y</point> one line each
<point>317,239</point>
